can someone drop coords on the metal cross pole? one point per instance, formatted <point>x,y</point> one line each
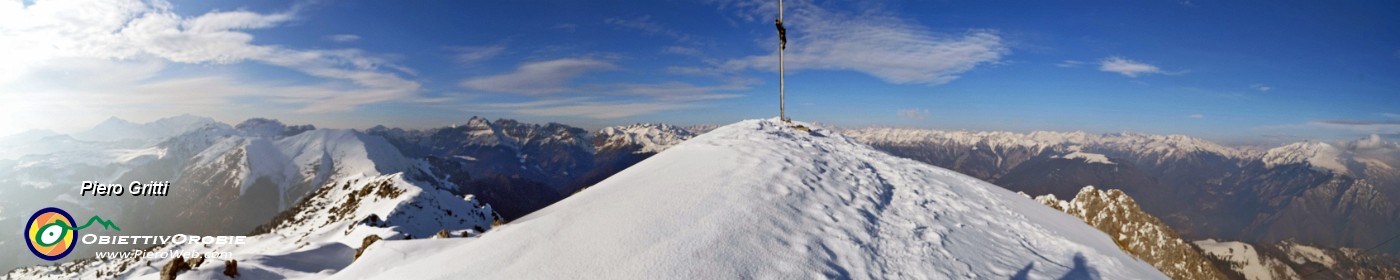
<point>782,84</point>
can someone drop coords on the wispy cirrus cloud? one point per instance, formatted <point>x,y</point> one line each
<point>475,54</point>
<point>540,77</point>
<point>647,25</point>
<point>681,50</point>
<point>343,38</point>
<point>913,113</point>
<point>1127,67</point>
<point>1261,87</point>
<point>1070,64</point>
<point>550,89</point>
<point>1339,127</point>
<point>870,41</point>
<point>605,101</point>
<point>1196,116</point>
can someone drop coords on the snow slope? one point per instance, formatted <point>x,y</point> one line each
<point>314,240</point>
<point>648,138</point>
<point>759,200</point>
<point>1320,156</point>
<point>1250,262</point>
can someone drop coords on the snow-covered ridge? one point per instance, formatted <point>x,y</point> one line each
<point>309,158</point>
<point>1253,264</point>
<point>1087,157</point>
<point>1317,154</point>
<point>1136,232</point>
<point>651,138</point>
<point>1166,146</point>
<point>315,239</point>
<point>758,199</point>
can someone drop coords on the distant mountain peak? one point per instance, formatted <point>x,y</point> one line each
<point>1318,155</point>
<point>1087,157</point>
<point>645,137</point>
<point>115,128</point>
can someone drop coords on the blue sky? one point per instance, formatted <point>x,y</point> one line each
<point>1231,71</point>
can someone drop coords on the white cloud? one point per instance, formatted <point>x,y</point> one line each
<point>1347,128</point>
<point>1391,115</point>
<point>874,42</point>
<point>681,50</point>
<point>1128,67</point>
<point>677,91</point>
<point>648,26</point>
<point>541,83</point>
<point>1070,64</point>
<point>608,102</point>
<point>914,114</point>
<point>603,110</point>
<point>51,41</point>
<point>1261,87</point>
<point>343,38</point>
<point>537,78</point>
<point>470,55</point>
<point>1196,116</point>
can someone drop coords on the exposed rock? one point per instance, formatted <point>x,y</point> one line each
<point>1136,232</point>
<point>369,240</point>
<point>174,268</point>
<point>231,268</point>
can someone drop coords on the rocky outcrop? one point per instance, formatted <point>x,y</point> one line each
<point>1136,232</point>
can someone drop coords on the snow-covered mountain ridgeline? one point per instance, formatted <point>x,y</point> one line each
<point>758,199</point>
<point>522,167</point>
<point>1136,232</point>
<point>1289,260</point>
<point>229,179</point>
<point>1201,189</point>
<point>317,237</point>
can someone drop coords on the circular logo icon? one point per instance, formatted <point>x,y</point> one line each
<point>50,234</point>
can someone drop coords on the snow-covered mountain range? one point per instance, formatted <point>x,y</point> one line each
<point>755,198</point>
<point>759,199</point>
<point>233,179</point>
<point>1202,189</point>
<point>230,179</point>
<point>523,167</point>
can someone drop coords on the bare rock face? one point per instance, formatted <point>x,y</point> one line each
<point>1136,232</point>
<point>196,261</point>
<point>369,240</point>
<point>174,268</point>
<point>231,268</point>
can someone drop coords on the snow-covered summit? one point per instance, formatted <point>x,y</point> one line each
<point>1156,146</point>
<point>758,199</point>
<point>1087,157</point>
<point>307,159</point>
<point>651,138</point>
<point>1319,155</point>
